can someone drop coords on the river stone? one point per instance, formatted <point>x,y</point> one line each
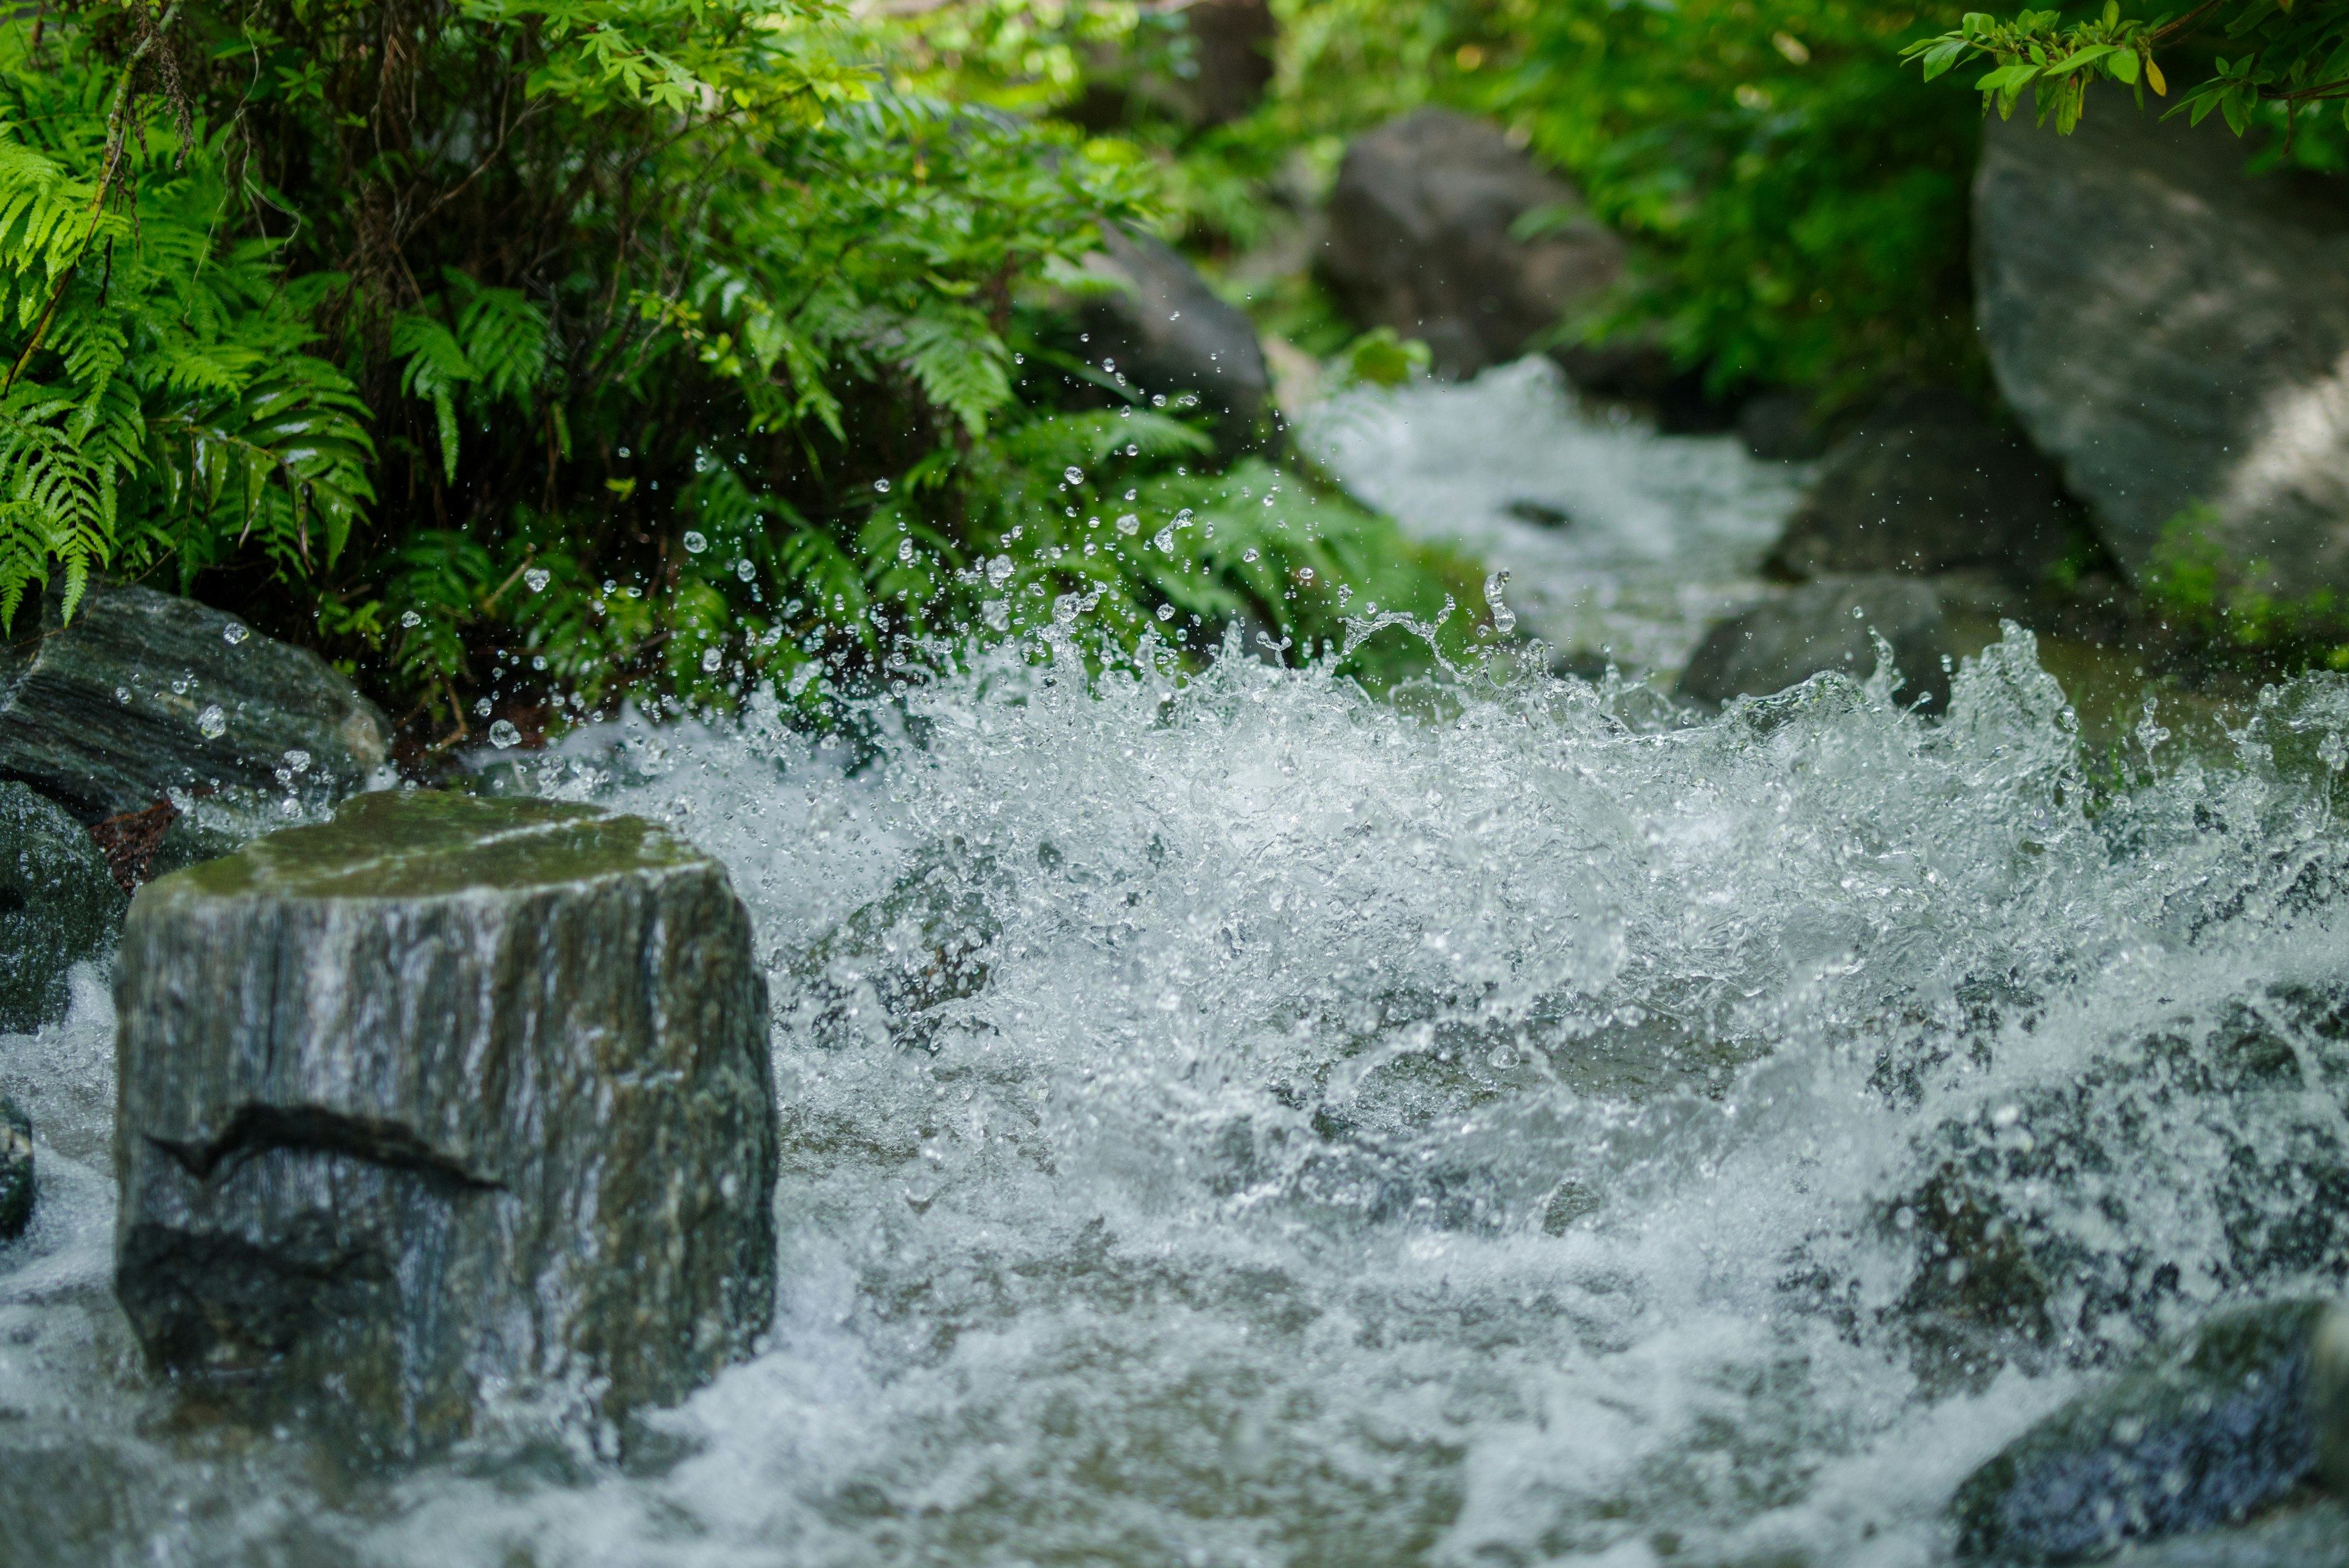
<point>2173,333</point>
<point>1161,330</point>
<point>1826,625</point>
<point>2196,1432</point>
<point>1928,485</point>
<point>446,1097</point>
<point>58,906</point>
<point>1421,240</point>
<point>109,712</point>
<point>15,1170</point>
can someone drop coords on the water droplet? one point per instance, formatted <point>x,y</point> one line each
<point>999,570</point>
<point>905,549</point>
<point>1248,554</point>
<point>1073,475</point>
<point>538,577</point>
<point>122,694</point>
<point>709,661</point>
<point>1304,574</point>
<point>1505,619</point>
<point>298,760</point>
<point>411,619</point>
<point>212,723</point>
<point>1165,612</point>
<point>481,709</point>
<point>1129,525</point>
<point>881,485</point>
<point>744,570</point>
<point>1166,539</point>
<point>234,632</point>
<point>538,662</point>
<point>695,542</point>
<point>502,734</point>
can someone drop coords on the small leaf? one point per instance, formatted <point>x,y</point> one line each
<point>2153,78</point>
<point>2124,67</point>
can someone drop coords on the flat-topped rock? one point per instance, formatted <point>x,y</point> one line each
<point>143,693</point>
<point>446,1099</point>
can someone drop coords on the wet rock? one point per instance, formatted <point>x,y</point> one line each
<point>2173,333</point>
<point>1778,426</point>
<point>1928,485</point>
<point>15,1170</point>
<point>2198,1432</point>
<point>58,906</point>
<point>1826,625</point>
<point>143,693</point>
<point>445,1099</point>
<point>1421,240</point>
<point>1162,330</point>
<point>2313,1534</point>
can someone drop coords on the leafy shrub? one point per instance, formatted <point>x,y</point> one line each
<point>529,353</point>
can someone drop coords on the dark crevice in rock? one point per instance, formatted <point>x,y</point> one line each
<point>257,1129</point>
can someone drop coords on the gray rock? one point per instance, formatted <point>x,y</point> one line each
<point>58,906</point>
<point>1164,330</point>
<point>1826,625</point>
<point>445,1097</point>
<point>1778,426</point>
<point>15,1170</point>
<point>110,712</point>
<point>1420,240</point>
<point>2196,1433</point>
<point>1928,485</point>
<point>2173,333</point>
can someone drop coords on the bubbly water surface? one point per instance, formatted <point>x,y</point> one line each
<point>1230,1120</point>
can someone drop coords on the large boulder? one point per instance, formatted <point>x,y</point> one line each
<point>2174,333</point>
<point>447,1100</point>
<point>1155,324</point>
<point>58,906</point>
<point>143,693</point>
<point>1832,624</point>
<point>1928,485</point>
<point>2198,1432</point>
<point>1421,240</point>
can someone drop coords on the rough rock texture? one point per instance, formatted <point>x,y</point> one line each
<point>1163,329</point>
<point>1778,643</point>
<point>2196,1433</point>
<point>1419,241</point>
<point>15,1170</point>
<point>445,1097</point>
<point>110,711</point>
<point>2173,334</point>
<point>58,905</point>
<point>1928,485</point>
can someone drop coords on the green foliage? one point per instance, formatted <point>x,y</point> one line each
<point>529,354</point>
<point>2213,602</point>
<point>2268,53</point>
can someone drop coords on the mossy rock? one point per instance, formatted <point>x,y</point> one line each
<point>58,906</point>
<point>15,1170</point>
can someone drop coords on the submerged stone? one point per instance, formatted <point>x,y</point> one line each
<point>445,1100</point>
<point>143,693</point>
<point>2198,1432</point>
<point>15,1170</point>
<point>58,906</point>
<point>1828,625</point>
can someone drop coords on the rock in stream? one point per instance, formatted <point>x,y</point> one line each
<point>143,693</point>
<point>58,906</point>
<point>445,1098</point>
<point>2198,1432</point>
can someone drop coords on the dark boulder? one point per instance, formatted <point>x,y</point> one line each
<point>15,1170</point>
<point>1778,426</point>
<point>445,1097</point>
<point>1421,240</point>
<point>2174,334</point>
<point>1928,485</point>
<point>143,693</point>
<point>58,906</point>
<point>1156,326</point>
<point>1826,625</point>
<point>2198,1432</point>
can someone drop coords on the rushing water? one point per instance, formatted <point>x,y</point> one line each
<point>1228,1120</point>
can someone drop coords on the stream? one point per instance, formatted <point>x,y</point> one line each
<point>1230,1122</point>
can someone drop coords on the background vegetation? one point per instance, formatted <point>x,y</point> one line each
<point>523,354</point>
